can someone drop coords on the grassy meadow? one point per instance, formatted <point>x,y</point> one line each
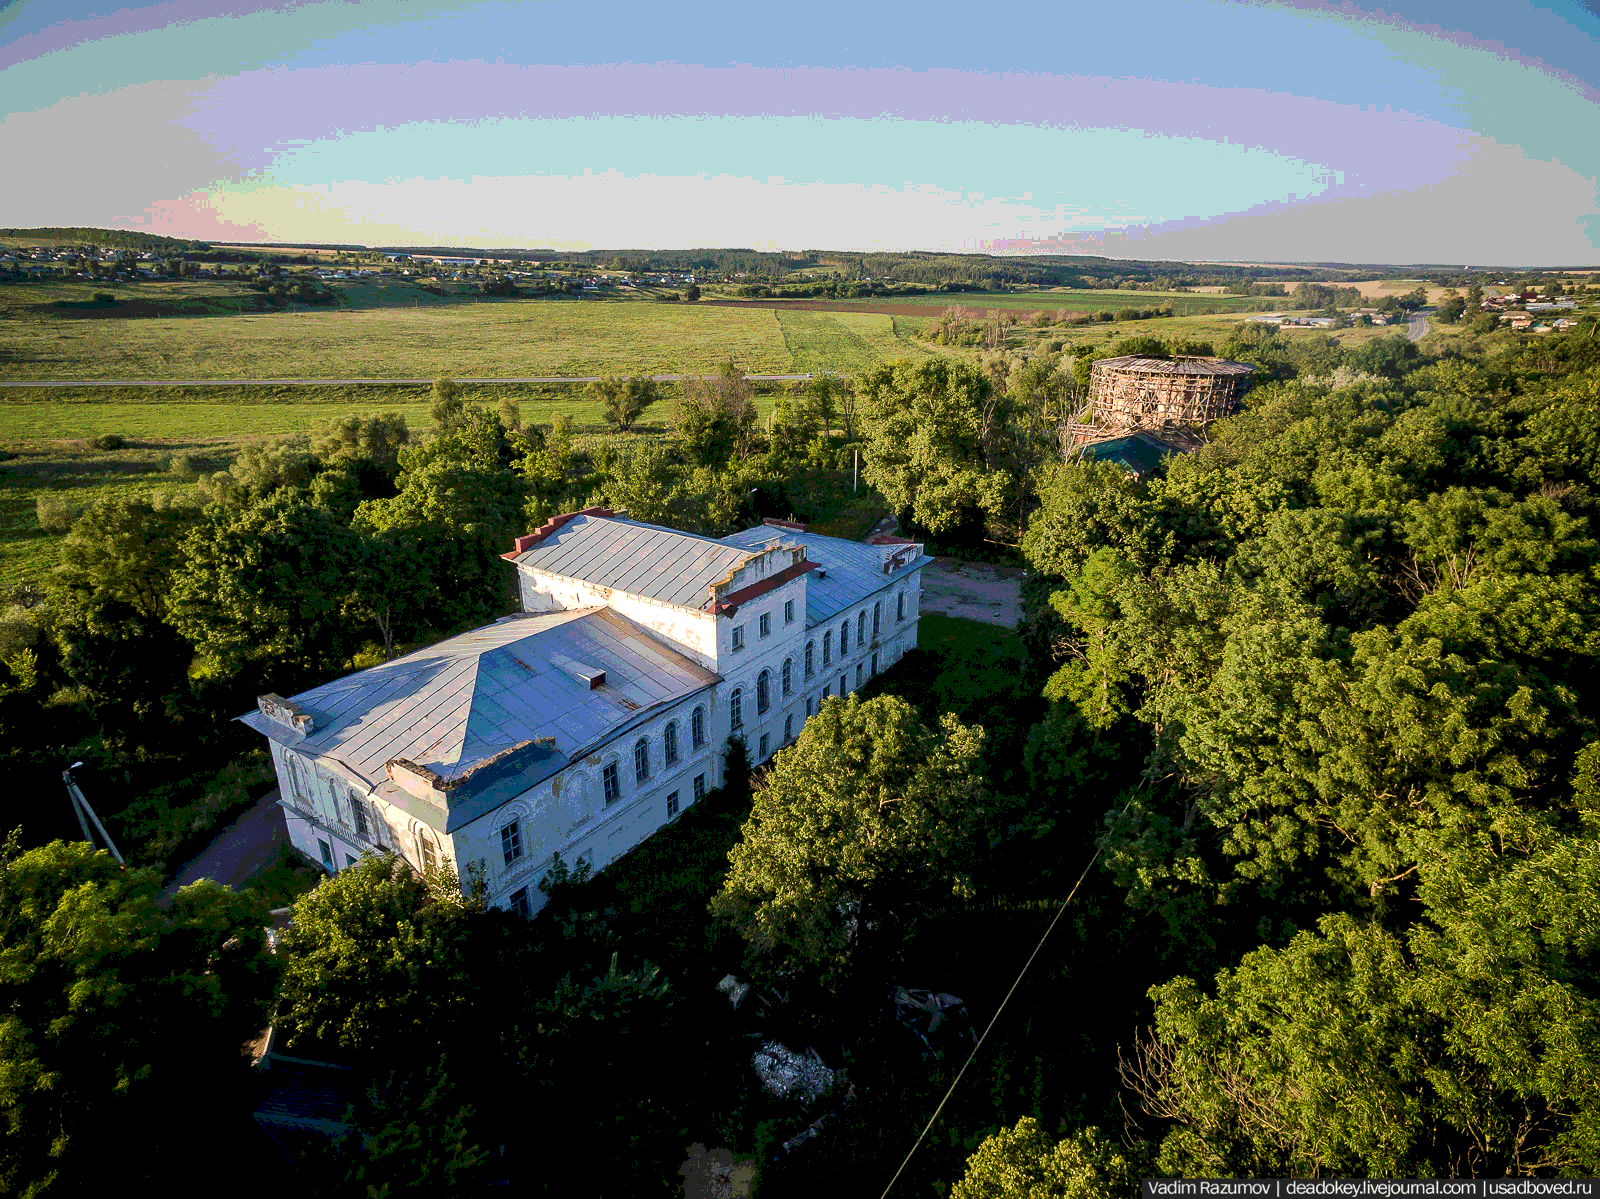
<point>393,329</point>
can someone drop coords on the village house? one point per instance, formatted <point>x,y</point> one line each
<point>602,710</point>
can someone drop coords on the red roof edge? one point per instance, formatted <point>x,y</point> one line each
<point>730,603</point>
<point>887,539</point>
<point>528,541</point>
<point>785,524</point>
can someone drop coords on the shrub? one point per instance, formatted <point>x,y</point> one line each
<point>181,465</point>
<point>110,441</point>
<point>56,512</point>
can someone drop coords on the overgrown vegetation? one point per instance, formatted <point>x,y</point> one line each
<point>1318,694</point>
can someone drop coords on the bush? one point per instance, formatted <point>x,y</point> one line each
<point>56,512</point>
<point>182,465</point>
<point>110,441</point>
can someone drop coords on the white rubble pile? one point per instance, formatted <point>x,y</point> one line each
<point>790,1075</point>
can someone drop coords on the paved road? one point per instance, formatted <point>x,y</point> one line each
<point>334,382</point>
<point>246,846</point>
<point>1417,324</point>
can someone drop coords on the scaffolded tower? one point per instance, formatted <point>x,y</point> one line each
<point>1166,397</point>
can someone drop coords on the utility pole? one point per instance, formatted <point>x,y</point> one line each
<point>80,806</point>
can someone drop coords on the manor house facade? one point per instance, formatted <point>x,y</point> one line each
<point>598,713</point>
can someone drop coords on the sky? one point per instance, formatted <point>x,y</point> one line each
<point>1224,130</point>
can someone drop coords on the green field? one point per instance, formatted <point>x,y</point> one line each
<point>483,338</point>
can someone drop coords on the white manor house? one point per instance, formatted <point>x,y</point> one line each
<point>590,719</point>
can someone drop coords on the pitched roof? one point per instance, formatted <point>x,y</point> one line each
<point>1138,453</point>
<point>454,705</point>
<point>846,571</point>
<point>640,559</point>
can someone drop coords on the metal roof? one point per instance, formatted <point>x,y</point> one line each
<point>1174,366</point>
<point>625,555</point>
<point>452,705</point>
<point>851,570</point>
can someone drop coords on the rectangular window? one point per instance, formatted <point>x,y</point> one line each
<point>788,729</point>
<point>788,611</point>
<point>641,761</point>
<point>358,810</point>
<point>844,685</point>
<point>697,728</point>
<point>827,647</point>
<point>874,663</point>
<point>858,674</point>
<point>699,786</point>
<point>766,623</point>
<point>519,903</point>
<point>672,805</point>
<point>609,777</point>
<point>738,636</point>
<point>669,744</point>
<point>349,861</point>
<point>764,740</point>
<point>808,705</point>
<point>861,629</point>
<point>900,606</point>
<point>327,853</point>
<point>844,638</point>
<point>511,842</point>
<point>827,690</point>
<point>877,615</point>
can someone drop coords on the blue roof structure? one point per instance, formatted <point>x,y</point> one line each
<point>453,706</point>
<point>850,570</point>
<point>1138,453</point>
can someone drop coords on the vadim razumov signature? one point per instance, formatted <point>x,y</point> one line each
<point>1355,1188</point>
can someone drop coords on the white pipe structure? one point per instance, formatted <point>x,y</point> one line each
<point>80,805</point>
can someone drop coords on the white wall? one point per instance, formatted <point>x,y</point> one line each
<point>568,813</point>
<point>691,632</point>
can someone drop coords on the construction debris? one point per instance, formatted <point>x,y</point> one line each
<point>790,1075</point>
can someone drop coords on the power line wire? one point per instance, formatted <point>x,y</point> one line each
<point>995,1018</point>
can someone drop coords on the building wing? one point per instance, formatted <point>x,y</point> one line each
<point>847,571</point>
<point>550,687</point>
<point>624,555</point>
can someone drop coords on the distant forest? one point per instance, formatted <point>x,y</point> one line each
<point>115,239</point>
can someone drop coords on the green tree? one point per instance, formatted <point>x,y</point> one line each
<point>378,951</point>
<point>937,443</point>
<point>624,400</point>
<point>265,585</point>
<point>717,416</point>
<point>1025,1162</point>
<point>867,814</point>
<point>115,1016</point>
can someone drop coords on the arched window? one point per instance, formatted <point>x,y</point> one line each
<point>861,628</point>
<point>736,708</point>
<point>788,676</point>
<point>697,728</point>
<point>900,606</point>
<point>641,759</point>
<point>844,637</point>
<point>877,617</point>
<point>669,744</point>
<point>827,647</point>
<point>358,813</point>
<point>811,665</point>
<point>763,692</point>
<point>297,778</point>
<point>427,853</point>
